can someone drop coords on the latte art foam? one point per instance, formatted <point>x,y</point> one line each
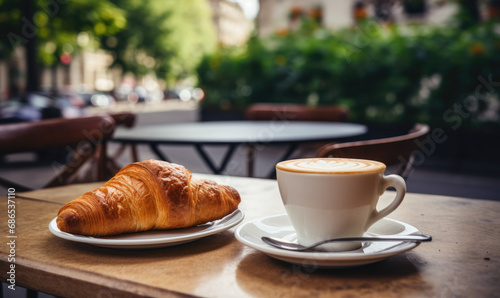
<point>331,165</point>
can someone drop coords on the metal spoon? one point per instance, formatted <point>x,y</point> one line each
<point>297,247</point>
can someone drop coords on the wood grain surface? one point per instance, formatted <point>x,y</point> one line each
<point>462,260</point>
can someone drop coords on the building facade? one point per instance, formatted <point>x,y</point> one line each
<point>276,15</point>
<point>232,27</point>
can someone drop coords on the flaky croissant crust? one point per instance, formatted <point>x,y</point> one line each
<point>147,195</point>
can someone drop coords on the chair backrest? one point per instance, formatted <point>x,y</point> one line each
<point>54,133</point>
<point>394,150</point>
<point>126,119</point>
<point>83,135</point>
<point>291,112</point>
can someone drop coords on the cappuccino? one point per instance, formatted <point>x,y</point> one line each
<point>331,166</point>
<point>335,197</point>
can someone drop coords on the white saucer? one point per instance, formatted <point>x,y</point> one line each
<point>151,239</point>
<point>279,226</point>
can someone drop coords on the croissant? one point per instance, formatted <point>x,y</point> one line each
<point>147,195</point>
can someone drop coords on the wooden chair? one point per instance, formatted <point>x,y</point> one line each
<point>83,137</point>
<point>391,151</point>
<point>291,112</point>
<point>125,119</point>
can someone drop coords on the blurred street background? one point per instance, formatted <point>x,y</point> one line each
<point>391,63</point>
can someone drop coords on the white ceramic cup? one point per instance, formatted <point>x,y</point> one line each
<point>329,198</point>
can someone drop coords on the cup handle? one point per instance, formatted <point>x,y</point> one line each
<point>399,184</point>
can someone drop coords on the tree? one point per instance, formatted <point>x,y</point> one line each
<point>164,37</point>
<point>54,26</point>
<point>192,35</point>
<point>160,36</point>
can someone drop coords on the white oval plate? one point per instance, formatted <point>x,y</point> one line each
<point>151,239</point>
<point>279,226</point>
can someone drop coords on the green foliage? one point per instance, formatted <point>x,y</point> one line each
<point>192,36</point>
<point>10,18</point>
<point>383,74</point>
<point>162,36</point>
<point>57,25</point>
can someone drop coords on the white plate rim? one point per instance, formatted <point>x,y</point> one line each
<point>217,226</point>
<point>325,256</point>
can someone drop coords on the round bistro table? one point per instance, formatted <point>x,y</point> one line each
<point>237,133</point>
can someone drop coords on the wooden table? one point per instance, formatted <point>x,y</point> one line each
<point>463,259</point>
<point>252,134</point>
